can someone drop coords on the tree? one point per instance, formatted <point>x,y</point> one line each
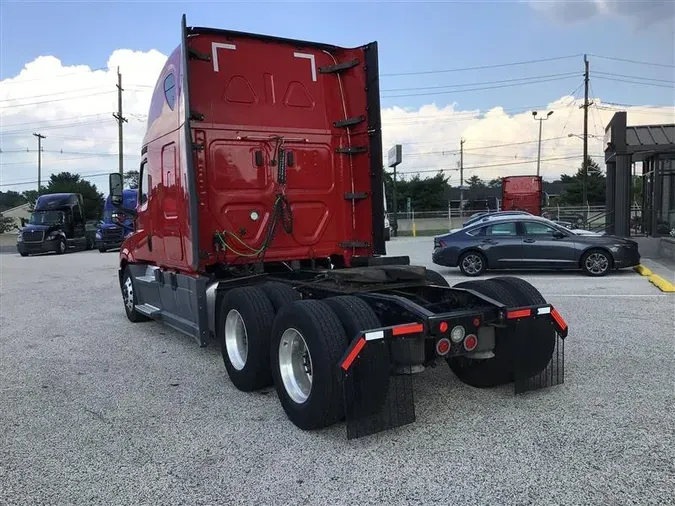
<point>32,195</point>
<point>495,183</point>
<point>475,182</point>
<point>429,194</point>
<point>131,178</point>
<point>65,182</point>
<point>10,199</point>
<point>6,224</point>
<point>596,186</point>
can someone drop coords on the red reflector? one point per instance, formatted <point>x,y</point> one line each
<point>443,327</point>
<point>443,346</point>
<point>520,313</point>
<point>470,342</point>
<point>558,319</point>
<point>476,322</point>
<point>409,328</point>
<point>353,354</point>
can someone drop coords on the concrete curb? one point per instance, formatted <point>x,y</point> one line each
<point>661,283</point>
<point>642,270</point>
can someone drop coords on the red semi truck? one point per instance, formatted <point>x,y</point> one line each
<point>259,226</point>
<point>523,193</point>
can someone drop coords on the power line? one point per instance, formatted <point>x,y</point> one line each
<point>626,60</point>
<point>480,67</point>
<point>34,123</point>
<point>59,161</point>
<point>641,83</point>
<point>480,83</point>
<point>24,183</point>
<point>51,94</point>
<point>11,80</point>
<point>480,89</point>
<point>628,76</point>
<point>58,99</point>
<point>60,151</point>
<point>456,151</point>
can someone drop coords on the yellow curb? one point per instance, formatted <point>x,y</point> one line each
<point>663,284</point>
<point>642,270</point>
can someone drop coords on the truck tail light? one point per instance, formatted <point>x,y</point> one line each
<point>443,346</point>
<point>470,342</point>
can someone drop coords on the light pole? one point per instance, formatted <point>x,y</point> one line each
<point>534,115</point>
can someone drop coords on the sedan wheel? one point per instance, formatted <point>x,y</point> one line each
<point>596,263</point>
<point>472,264</point>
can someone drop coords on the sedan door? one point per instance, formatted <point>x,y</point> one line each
<point>547,247</point>
<point>502,245</point>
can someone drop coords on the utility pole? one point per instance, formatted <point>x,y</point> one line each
<point>39,139</point>
<point>120,121</point>
<point>585,162</point>
<point>534,115</point>
<point>461,178</point>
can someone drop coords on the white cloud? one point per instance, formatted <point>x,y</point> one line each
<point>73,106</point>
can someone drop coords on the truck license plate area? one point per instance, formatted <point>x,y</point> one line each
<point>375,398</point>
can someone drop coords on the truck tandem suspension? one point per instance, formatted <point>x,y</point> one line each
<point>344,343</point>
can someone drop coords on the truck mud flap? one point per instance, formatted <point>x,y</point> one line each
<point>539,358</point>
<point>378,395</point>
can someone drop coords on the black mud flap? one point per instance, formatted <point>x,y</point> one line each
<point>533,369</point>
<point>378,393</point>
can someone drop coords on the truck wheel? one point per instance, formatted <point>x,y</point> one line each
<point>498,370</point>
<point>436,278</point>
<point>23,254</point>
<point>246,316</point>
<point>541,336</point>
<point>307,343</point>
<point>357,316</point>
<point>130,299</point>
<point>102,249</point>
<point>596,262</point>
<point>472,263</point>
<point>61,247</point>
<point>279,294</point>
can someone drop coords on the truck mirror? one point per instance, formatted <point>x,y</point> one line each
<point>116,186</point>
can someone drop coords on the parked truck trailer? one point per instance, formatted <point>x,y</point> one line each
<point>259,226</point>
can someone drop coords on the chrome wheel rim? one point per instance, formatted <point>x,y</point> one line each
<point>472,264</point>
<point>597,263</point>
<point>295,365</point>
<point>129,294</point>
<point>236,339</point>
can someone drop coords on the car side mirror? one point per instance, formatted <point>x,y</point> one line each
<point>558,234</point>
<point>116,186</point>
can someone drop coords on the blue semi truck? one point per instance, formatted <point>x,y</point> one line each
<point>116,225</point>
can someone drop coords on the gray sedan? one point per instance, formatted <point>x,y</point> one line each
<point>531,242</point>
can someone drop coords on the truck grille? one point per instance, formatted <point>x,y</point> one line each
<point>33,236</point>
<point>112,234</point>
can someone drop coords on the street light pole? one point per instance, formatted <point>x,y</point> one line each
<point>534,115</point>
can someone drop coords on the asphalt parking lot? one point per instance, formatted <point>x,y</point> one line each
<point>97,410</point>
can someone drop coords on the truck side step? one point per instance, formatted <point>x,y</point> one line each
<point>349,121</point>
<point>356,196</point>
<point>148,310</point>
<point>346,65</point>
<point>352,151</point>
<point>354,244</point>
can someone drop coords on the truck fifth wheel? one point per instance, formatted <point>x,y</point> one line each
<point>259,224</point>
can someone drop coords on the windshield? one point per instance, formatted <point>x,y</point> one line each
<point>46,217</point>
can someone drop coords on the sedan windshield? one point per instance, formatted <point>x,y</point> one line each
<point>46,217</point>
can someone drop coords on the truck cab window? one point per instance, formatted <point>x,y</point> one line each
<point>144,183</point>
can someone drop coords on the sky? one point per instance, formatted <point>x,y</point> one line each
<point>58,63</point>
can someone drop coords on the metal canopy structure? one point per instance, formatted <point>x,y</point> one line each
<point>654,146</point>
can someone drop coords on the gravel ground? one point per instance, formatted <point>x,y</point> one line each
<point>97,410</point>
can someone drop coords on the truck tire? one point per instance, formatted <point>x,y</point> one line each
<point>279,294</point>
<point>245,321</point>
<point>498,370</point>
<point>541,336</point>
<point>130,299</point>
<point>472,263</point>
<point>357,316</point>
<point>102,249</point>
<point>61,247</point>
<point>307,343</point>
<point>436,278</point>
